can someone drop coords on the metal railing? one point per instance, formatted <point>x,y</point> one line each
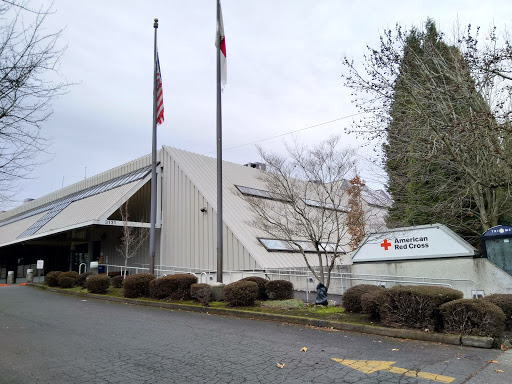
<point>303,278</point>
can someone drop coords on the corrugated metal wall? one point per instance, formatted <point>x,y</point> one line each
<point>189,235</point>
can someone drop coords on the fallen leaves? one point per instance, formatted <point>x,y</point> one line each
<point>499,371</point>
<point>304,349</point>
<point>280,365</point>
<point>504,348</point>
<point>395,349</point>
<point>492,361</point>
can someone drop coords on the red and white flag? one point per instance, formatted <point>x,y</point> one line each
<point>223,65</point>
<point>159,94</point>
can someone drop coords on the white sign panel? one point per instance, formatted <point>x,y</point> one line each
<point>421,242</point>
<point>40,264</point>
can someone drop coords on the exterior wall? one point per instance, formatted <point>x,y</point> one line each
<point>485,275</point>
<point>189,235</point>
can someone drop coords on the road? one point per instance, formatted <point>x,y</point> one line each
<point>51,338</point>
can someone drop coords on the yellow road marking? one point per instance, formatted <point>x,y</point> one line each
<point>370,366</point>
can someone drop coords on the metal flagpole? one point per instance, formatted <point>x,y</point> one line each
<point>219,156</point>
<point>153,168</point>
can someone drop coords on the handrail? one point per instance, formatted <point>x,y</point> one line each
<point>80,268</point>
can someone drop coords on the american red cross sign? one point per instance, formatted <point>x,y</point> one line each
<point>385,244</point>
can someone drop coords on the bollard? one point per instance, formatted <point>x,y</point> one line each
<point>10,277</point>
<point>93,267</point>
<point>30,275</point>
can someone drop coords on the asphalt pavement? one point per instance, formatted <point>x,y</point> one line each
<point>50,338</point>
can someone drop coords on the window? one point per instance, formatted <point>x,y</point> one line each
<point>260,193</point>
<point>277,245</point>
<point>323,204</point>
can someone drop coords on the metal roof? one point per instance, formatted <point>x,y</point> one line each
<point>202,171</point>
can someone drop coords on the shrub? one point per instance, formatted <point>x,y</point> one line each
<point>137,285</point>
<point>241,293</point>
<point>52,278</point>
<point>473,317</point>
<point>279,290</point>
<point>351,299</point>
<point>262,294</point>
<point>176,287</point>
<point>504,301</point>
<point>202,293</point>
<point>117,281</point>
<point>372,301</point>
<point>66,282</point>
<point>81,279</point>
<point>68,275</point>
<point>98,284</point>
<point>415,307</point>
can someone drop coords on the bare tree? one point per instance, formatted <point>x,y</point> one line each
<point>308,202</point>
<point>132,239</point>
<point>29,83</point>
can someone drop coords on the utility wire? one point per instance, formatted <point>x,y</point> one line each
<point>289,133</point>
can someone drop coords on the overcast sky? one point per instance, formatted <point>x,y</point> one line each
<point>284,66</point>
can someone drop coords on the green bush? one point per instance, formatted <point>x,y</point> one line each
<point>98,284</point>
<point>241,293</point>
<point>504,301</point>
<point>473,317</point>
<point>176,287</point>
<point>262,294</point>
<point>202,293</point>
<point>117,281</point>
<point>415,307</point>
<point>68,275</point>
<point>137,285</point>
<point>66,282</point>
<point>372,301</point>
<point>279,290</point>
<point>81,279</point>
<point>52,278</point>
<point>351,299</point>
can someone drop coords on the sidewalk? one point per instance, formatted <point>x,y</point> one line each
<point>491,374</point>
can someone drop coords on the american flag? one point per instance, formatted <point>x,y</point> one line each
<point>159,94</point>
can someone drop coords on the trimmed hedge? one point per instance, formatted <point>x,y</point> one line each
<point>504,301</point>
<point>279,290</point>
<point>351,299</point>
<point>176,287</point>
<point>66,282</point>
<point>202,293</point>
<point>372,301</point>
<point>137,285</point>
<point>98,284</point>
<point>473,317</point>
<point>82,278</point>
<point>241,293</point>
<point>73,275</point>
<point>117,281</point>
<point>52,278</point>
<point>262,294</point>
<point>416,307</point>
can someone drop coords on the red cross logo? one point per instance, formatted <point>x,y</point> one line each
<point>385,244</point>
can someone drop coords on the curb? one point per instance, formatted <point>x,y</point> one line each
<point>444,338</point>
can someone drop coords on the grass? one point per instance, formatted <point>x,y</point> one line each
<point>295,307</point>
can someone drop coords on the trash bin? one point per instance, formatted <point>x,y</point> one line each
<point>10,277</point>
<point>94,267</point>
<point>30,275</point>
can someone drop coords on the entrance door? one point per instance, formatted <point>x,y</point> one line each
<point>78,256</point>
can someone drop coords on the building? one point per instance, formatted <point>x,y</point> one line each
<point>81,223</point>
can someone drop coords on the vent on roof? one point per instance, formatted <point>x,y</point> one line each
<point>27,200</point>
<point>261,166</point>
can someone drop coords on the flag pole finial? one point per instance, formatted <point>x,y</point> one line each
<point>156,23</point>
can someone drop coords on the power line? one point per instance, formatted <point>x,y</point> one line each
<point>289,133</point>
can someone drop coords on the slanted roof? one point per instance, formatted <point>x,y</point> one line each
<point>202,171</point>
<point>59,212</point>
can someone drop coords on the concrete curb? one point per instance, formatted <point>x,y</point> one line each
<point>445,338</point>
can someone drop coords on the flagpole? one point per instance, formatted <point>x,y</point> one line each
<point>153,167</point>
<point>219,157</point>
